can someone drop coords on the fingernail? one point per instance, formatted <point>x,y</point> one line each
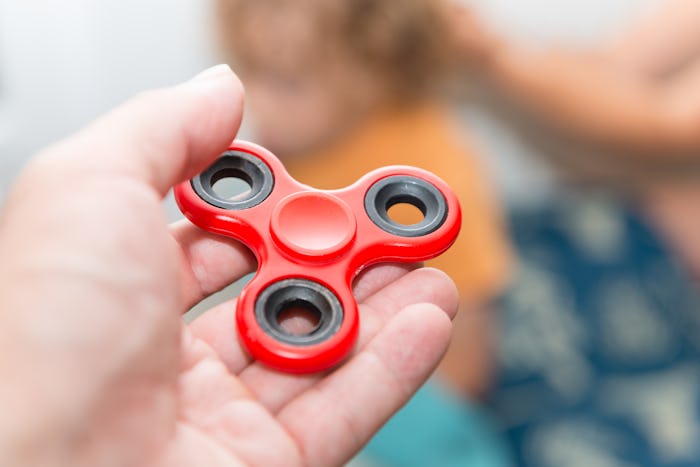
<point>213,72</point>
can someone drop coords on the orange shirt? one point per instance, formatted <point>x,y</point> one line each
<point>426,137</point>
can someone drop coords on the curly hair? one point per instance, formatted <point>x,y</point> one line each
<point>403,43</point>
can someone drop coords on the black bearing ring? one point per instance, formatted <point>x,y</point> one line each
<point>235,164</point>
<point>417,192</point>
<point>303,293</point>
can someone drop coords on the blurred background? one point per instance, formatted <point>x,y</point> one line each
<point>64,63</point>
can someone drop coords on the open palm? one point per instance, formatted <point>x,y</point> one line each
<point>93,282</point>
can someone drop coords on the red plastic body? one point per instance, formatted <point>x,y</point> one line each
<point>324,236</point>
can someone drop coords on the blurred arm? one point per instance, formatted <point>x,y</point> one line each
<point>660,42</point>
<point>588,96</point>
<point>611,97</point>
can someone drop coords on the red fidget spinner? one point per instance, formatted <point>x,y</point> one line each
<point>310,244</point>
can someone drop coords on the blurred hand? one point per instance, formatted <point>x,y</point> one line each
<point>97,366</point>
<point>476,43</point>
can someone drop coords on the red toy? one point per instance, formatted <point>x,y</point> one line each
<point>310,244</point>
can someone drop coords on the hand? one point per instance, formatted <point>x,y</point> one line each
<point>97,366</point>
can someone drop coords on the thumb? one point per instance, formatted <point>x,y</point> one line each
<point>159,137</point>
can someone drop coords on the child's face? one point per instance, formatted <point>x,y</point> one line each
<point>300,91</point>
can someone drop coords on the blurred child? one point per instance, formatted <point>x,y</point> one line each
<point>337,88</point>
<point>600,361</point>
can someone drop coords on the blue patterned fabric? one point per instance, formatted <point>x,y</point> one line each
<point>600,343</point>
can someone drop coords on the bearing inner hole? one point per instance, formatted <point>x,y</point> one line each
<point>298,312</point>
<point>232,184</point>
<point>298,317</point>
<point>406,210</point>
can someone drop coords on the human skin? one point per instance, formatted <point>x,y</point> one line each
<point>97,365</point>
<point>638,94</point>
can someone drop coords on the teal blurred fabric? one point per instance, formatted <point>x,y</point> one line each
<point>437,428</point>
